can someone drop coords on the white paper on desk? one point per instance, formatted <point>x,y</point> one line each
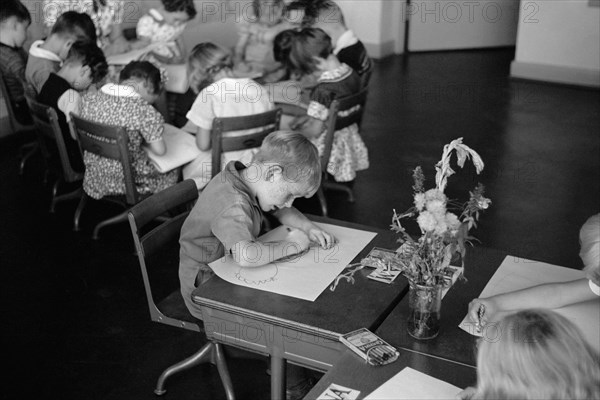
<point>516,273</point>
<point>305,277</point>
<point>410,384</point>
<point>181,149</point>
<point>338,392</point>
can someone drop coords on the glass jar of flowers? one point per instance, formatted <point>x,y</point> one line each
<point>444,229</point>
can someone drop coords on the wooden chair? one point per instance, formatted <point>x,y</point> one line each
<point>158,253</point>
<point>28,149</point>
<point>49,131</point>
<point>342,113</point>
<point>109,142</point>
<point>263,124</point>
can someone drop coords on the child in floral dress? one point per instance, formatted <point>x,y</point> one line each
<point>128,104</point>
<point>311,53</point>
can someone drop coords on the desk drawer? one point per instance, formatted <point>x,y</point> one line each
<point>237,331</point>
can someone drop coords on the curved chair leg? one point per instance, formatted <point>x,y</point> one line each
<point>76,218</point>
<point>54,192</point>
<point>114,220</point>
<point>322,200</point>
<point>31,149</point>
<point>219,358</point>
<point>205,354</point>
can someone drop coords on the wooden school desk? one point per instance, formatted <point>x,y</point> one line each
<point>290,329</point>
<point>353,372</point>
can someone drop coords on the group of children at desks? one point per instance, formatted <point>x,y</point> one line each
<point>304,43</point>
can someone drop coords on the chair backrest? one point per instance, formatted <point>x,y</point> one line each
<point>46,122</point>
<point>110,142</point>
<point>161,243</point>
<point>343,112</point>
<point>15,125</point>
<point>259,124</point>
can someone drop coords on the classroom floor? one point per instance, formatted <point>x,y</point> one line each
<point>76,324</point>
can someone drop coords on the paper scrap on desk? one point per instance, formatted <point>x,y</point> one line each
<point>410,384</point>
<point>181,149</point>
<point>304,277</point>
<point>133,55</point>
<point>517,273</point>
<point>337,392</point>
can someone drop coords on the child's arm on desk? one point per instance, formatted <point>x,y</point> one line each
<point>292,217</point>
<point>254,253</point>
<point>309,126</point>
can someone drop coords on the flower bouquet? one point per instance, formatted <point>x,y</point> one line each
<point>444,226</point>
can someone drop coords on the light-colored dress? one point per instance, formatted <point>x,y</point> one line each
<point>349,153</point>
<point>153,27</point>
<point>228,97</point>
<point>120,105</point>
<point>258,53</point>
<point>104,16</point>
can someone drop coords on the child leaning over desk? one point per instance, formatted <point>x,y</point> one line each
<point>549,295</point>
<point>538,354</point>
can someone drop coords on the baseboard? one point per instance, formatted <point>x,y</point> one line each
<point>555,74</point>
<point>380,50</point>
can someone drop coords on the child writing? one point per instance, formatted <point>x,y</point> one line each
<point>219,94</point>
<point>84,66</point>
<point>128,104</point>
<point>45,56</point>
<point>311,53</point>
<point>550,295</point>
<point>254,49</point>
<point>164,26</point>
<point>539,355</point>
<point>14,21</point>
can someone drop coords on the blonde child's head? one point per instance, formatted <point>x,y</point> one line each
<point>589,238</point>
<point>291,165</point>
<point>538,354</point>
<point>145,78</point>
<point>308,47</point>
<point>72,27</point>
<point>268,12</point>
<point>178,12</point>
<point>206,61</point>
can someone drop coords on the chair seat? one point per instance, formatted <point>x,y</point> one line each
<point>173,306</point>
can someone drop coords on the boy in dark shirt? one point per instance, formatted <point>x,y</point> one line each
<point>85,64</point>
<point>14,21</point>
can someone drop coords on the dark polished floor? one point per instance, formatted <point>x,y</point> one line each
<point>76,325</point>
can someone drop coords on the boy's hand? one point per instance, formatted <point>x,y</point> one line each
<point>325,239</point>
<point>298,237</point>
<point>466,394</point>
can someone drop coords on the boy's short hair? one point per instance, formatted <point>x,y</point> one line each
<point>144,71</point>
<point>180,5</point>
<point>307,44</point>
<point>77,25</point>
<point>296,154</point>
<point>89,54</point>
<point>14,8</point>
<point>282,45</point>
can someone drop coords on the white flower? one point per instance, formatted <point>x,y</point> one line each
<point>484,203</point>
<point>427,221</point>
<point>453,222</point>
<point>435,194</point>
<point>436,207</point>
<point>420,201</point>
<point>441,227</point>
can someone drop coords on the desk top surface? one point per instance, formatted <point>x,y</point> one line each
<point>352,372</point>
<point>365,303</point>
<point>452,343</point>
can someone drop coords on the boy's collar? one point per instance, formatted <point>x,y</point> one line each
<point>336,74</point>
<point>114,89</point>
<point>154,13</point>
<point>36,51</point>
<point>347,39</point>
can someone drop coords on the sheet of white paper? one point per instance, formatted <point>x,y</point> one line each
<point>516,273</point>
<point>410,384</point>
<point>304,277</point>
<point>133,55</point>
<point>338,392</point>
<point>181,149</point>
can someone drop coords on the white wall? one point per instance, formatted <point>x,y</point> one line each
<point>448,25</point>
<point>559,41</point>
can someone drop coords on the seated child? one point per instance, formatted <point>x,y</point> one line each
<point>45,56</point>
<point>14,21</point>
<point>219,94</point>
<point>538,355</point>
<point>165,26</point>
<point>328,16</point>
<point>311,53</point>
<point>84,66</point>
<point>550,295</point>
<point>107,16</point>
<point>128,104</point>
<point>254,49</point>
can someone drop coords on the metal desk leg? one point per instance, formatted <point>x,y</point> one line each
<point>278,365</point>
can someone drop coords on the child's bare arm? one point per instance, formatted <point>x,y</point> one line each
<point>158,147</point>
<point>292,217</point>
<point>254,253</point>
<point>310,127</point>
